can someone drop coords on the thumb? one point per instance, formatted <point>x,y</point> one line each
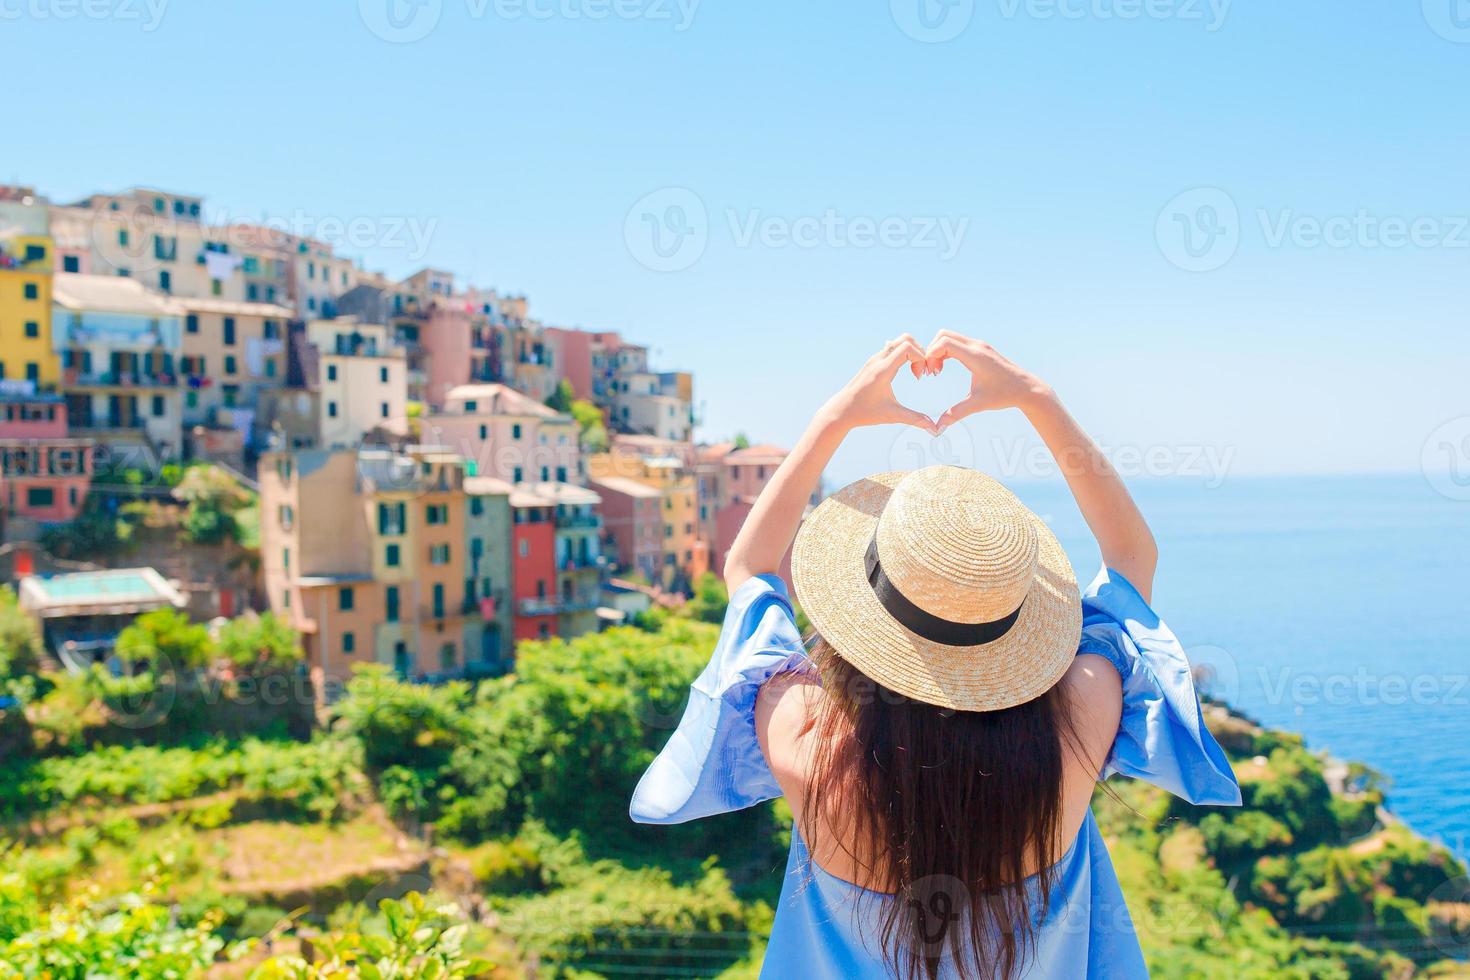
<point>915,418</point>
<point>961,410</point>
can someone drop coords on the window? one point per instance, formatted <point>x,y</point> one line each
<point>383,375</point>
<point>544,631</point>
<point>517,475</point>
<point>470,406</point>
<point>191,323</point>
<point>515,431</point>
<point>229,329</point>
<point>32,291</point>
<point>40,497</point>
<point>165,280</point>
<point>229,364</point>
<point>561,474</point>
<point>525,548</point>
<point>390,603</point>
<point>447,656</point>
<point>344,598</point>
<point>392,518</point>
<point>287,516</point>
<point>439,554</point>
<point>331,410</point>
<point>286,599</point>
<point>191,399</point>
<point>122,237</point>
<point>33,371</point>
<point>391,555</point>
<point>383,409</point>
<point>271,330</point>
<point>286,560</point>
<point>270,367</point>
<point>545,473</point>
<point>232,395</point>
<point>160,407</point>
<point>71,263</point>
<point>331,372</point>
<point>484,432</point>
<point>33,329</point>
<point>165,248</point>
<point>438,600</point>
<point>349,642</point>
<point>477,506</point>
<point>436,513</point>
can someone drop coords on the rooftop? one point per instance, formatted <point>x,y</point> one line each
<point>758,454</point>
<point>117,591</point>
<point>228,307</point>
<point>626,486</point>
<point>482,486</point>
<point>499,399</point>
<point>111,294</point>
<point>551,494</point>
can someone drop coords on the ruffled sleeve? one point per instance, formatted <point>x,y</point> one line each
<point>713,763</point>
<point>1162,737</point>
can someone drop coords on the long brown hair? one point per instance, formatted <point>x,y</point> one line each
<point>951,809</point>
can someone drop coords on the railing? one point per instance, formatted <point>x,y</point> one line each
<point>575,563</point>
<point>578,520</point>
<point>538,607</point>
<point>127,379</point>
<point>580,603</point>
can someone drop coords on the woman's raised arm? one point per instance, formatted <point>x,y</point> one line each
<point>1122,534</point>
<point>865,400</point>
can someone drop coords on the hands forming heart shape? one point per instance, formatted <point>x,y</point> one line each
<point>995,382</point>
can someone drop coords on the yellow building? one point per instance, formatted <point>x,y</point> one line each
<point>26,351</point>
<point>685,553</point>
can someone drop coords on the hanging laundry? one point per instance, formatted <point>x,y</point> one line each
<point>221,265</point>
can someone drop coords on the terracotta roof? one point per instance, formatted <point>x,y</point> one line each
<point>756,454</point>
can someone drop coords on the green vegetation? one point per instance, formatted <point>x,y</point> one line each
<point>502,807</point>
<point>212,499</point>
<point>589,418</point>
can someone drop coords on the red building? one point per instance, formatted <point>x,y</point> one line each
<point>633,524</point>
<point>533,565</point>
<point>44,475</point>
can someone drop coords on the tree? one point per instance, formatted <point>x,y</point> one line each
<point>20,641</point>
<point>710,599</point>
<point>260,644</point>
<point>742,441</point>
<point>167,635</point>
<point>213,497</point>
<point>589,420</point>
<point>561,399</point>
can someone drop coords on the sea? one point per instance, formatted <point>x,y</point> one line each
<point>1337,607</point>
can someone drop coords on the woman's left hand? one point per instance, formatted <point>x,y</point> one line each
<point>868,398</point>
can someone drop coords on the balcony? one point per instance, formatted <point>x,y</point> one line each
<point>118,379</point>
<point>580,603</point>
<point>580,563</point>
<point>585,521</point>
<point>547,606</point>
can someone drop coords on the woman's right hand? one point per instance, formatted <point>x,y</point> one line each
<point>868,398</point>
<point>995,382</point>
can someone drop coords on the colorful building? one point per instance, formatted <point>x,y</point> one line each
<point>44,474</point>
<point>633,527</point>
<point>231,351</point>
<point>365,553</point>
<point>26,254</point>
<point>119,346</point>
<point>579,561</point>
<point>489,537</point>
<point>361,377</point>
<point>534,561</point>
<point>509,435</point>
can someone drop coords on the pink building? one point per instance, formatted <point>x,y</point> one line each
<point>44,475</point>
<point>445,337</point>
<point>738,477</point>
<point>588,359</point>
<point>507,435</point>
<point>632,519</point>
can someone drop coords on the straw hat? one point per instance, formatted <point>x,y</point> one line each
<point>939,584</point>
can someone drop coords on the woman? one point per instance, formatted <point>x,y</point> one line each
<point>940,736</point>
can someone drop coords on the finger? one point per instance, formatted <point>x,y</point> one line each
<point>940,349</point>
<point>905,351</point>
<point>960,410</point>
<point>915,418</point>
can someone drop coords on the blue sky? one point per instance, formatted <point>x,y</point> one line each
<point>1314,152</point>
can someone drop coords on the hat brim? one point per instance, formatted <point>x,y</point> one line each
<point>832,586</point>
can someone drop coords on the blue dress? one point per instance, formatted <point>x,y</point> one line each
<point>824,926</point>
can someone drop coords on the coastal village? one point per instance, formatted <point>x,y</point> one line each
<point>436,474</point>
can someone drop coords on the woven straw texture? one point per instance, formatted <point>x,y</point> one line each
<point>960,546</point>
